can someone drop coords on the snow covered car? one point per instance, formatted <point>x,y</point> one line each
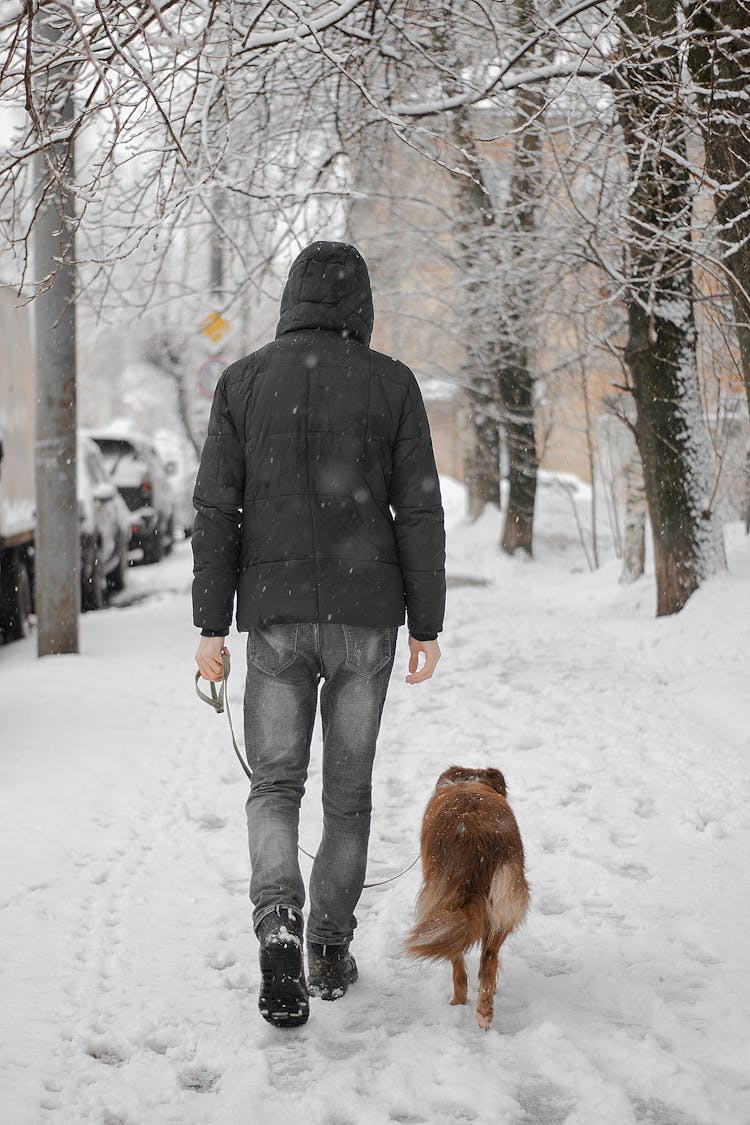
<point>103,528</point>
<point>17,495</point>
<point>181,462</point>
<point>143,482</point>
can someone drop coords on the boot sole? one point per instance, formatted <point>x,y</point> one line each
<point>283,999</point>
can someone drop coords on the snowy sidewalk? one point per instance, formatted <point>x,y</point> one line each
<point>129,975</point>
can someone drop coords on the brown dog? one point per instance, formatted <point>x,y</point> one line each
<point>474,884</point>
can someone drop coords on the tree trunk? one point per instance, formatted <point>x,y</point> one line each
<point>671,433</point>
<point>481,456</point>
<point>517,389</point>
<point>718,57</point>
<point>57,558</point>
<point>217,246</point>
<point>473,231</point>
<point>634,546</point>
<point>515,378</point>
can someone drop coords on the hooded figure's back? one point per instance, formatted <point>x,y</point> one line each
<point>319,458</point>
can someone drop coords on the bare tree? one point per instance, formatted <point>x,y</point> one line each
<point>719,51</point>
<point>661,353</point>
<point>519,309</point>
<point>474,231</point>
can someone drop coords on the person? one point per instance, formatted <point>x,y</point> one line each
<point>318,505</point>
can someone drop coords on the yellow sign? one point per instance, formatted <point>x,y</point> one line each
<point>215,327</point>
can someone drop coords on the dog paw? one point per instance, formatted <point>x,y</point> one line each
<point>484,1018</point>
<point>458,1000</point>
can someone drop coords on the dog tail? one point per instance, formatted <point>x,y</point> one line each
<point>442,936</point>
<point>444,929</point>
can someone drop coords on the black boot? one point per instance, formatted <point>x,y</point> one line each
<point>283,993</point>
<point>330,970</point>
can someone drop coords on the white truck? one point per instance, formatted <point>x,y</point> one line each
<point>17,496</point>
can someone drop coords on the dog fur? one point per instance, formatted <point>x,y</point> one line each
<point>474,887</point>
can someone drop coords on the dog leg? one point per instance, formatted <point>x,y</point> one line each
<point>488,978</point>
<point>460,980</point>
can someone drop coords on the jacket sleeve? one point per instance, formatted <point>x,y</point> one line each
<point>418,519</point>
<point>217,532</point>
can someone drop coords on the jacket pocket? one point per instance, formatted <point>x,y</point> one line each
<point>368,649</point>
<point>272,648</point>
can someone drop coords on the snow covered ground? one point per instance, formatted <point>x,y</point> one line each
<point>129,972</point>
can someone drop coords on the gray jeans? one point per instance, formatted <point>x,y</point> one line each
<point>284,668</point>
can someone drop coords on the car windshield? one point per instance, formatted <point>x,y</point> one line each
<point>122,461</point>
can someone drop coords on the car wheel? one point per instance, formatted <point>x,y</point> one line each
<point>116,577</point>
<point>93,583</point>
<point>169,536</point>
<point>15,599</point>
<point>153,548</point>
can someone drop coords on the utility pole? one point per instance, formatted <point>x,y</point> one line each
<point>217,246</point>
<point>57,531</point>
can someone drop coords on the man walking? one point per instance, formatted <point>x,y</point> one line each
<point>318,506</point>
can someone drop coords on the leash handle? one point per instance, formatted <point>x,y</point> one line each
<point>219,700</point>
<point>215,699</point>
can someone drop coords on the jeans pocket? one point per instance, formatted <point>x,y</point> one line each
<point>368,649</point>
<point>272,648</point>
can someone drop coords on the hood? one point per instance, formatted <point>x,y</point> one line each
<point>328,287</point>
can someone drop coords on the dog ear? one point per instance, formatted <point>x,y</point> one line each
<point>496,781</point>
<point>447,777</point>
<point>451,776</point>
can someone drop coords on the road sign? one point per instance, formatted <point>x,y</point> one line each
<point>215,327</point>
<point>208,375</point>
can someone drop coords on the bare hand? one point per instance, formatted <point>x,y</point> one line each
<point>431,653</point>
<point>208,657</point>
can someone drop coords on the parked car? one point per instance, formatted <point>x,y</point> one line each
<point>17,497</point>
<point>104,527</point>
<point>181,462</point>
<point>143,482</point>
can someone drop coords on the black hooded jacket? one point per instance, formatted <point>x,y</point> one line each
<point>317,496</point>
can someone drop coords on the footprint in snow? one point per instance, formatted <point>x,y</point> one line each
<point>543,1104</point>
<point>222,959</point>
<point>199,1078</point>
<point>637,871</point>
<point>575,793</point>
<point>156,1044</point>
<point>550,906</point>
<point>655,1112</point>
<point>623,837</point>
<point>287,1068</point>
<point>339,1048</point>
<point>50,1100</point>
<point>235,885</point>
<point>238,981</point>
<point>551,966</point>
<point>210,822</point>
<point>106,1051</point>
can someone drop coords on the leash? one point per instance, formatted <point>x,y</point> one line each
<point>219,700</point>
